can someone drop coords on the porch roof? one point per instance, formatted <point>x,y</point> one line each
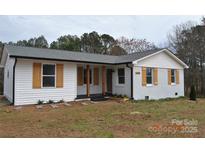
<point>64,55</point>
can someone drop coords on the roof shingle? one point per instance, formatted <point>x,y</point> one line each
<point>42,53</point>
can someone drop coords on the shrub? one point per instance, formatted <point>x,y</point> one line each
<point>61,101</point>
<point>50,102</point>
<point>119,96</point>
<point>40,102</point>
<point>192,93</point>
<point>114,95</point>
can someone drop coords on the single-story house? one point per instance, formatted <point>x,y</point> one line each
<point>33,74</point>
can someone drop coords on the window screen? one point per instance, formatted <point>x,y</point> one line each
<point>173,75</point>
<point>48,75</point>
<point>121,76</point>
<point>149,72</point>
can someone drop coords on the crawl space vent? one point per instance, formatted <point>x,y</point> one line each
<point>146,97</point>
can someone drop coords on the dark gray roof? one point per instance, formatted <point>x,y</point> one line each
<point>41,53</point>
<point>135,56</point>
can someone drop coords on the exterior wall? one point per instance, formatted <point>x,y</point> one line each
<point>25,94</point>
<point>162,61</point>
<point>124,89</point>
<point>8,78</point>
<point>94,89</point>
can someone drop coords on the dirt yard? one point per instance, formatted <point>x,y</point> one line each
<point>112,118</point>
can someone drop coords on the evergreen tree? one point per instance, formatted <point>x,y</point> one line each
<point>192,93</point>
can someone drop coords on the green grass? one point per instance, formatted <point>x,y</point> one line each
<point>108,119</point>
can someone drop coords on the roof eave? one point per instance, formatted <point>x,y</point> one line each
<point>67,60</point>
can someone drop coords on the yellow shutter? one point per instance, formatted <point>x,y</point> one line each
<point>144,80</point>
<point>80,75</point>
<point>59,75</point>
<point>96,76</point>
<point>169,77</point>
<point>177,76</point>
<point>155,76</point>
<point>36,75</point>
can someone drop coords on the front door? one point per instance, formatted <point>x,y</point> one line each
<point>109,81</point>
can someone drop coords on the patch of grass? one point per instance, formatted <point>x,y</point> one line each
<point>104,134</point>
<point>110,119</point>
<point>4,101</point>
<point>159,100</point>
<point>78,125</point>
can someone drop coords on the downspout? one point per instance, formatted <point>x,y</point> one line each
<point>14,68</point>
<point>131,69</point>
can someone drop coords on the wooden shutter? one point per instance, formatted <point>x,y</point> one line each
<point>144,78</point>
<point>96,76</point>
<point>36,75</point>
<point>169,77</point>
<point>80,75</point>
<point>59,75</point>
<point>177,76</point>
<point>155,76</point>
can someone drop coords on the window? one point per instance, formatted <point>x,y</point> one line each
<point>48,75</point>
<point>121,76</point>
<point>173,76</point>
<point>149,72</point>
<point>85,76</point>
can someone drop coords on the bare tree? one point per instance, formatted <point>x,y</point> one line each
<point>134,45</point>
<point>188,41</point>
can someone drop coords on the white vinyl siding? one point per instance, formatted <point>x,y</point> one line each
<point>162,62</point>
<point>25,94</point>
<point>8,78</point>
<point>122,89</point>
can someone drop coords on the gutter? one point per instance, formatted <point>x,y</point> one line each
<point>131,69</point>
<point>14,68</point>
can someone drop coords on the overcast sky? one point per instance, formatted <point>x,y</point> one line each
<point>152,28</point>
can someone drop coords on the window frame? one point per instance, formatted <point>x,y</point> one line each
<point>173,83</point>
<point>91,75</point>
<point>120,76</point>
<point>152,78</point>
<point>48,76</point>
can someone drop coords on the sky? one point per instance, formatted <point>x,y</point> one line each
<point>152,28</point>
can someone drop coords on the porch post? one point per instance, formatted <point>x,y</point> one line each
<point>88,80</point>
<point>103,80</point>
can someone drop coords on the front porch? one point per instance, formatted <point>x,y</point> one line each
<point>94,81</point>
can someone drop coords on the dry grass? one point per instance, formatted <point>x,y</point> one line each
<point>105,119</point>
